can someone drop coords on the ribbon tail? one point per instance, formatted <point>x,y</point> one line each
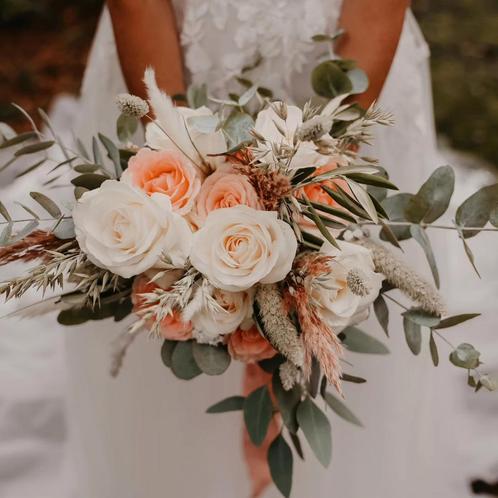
<point>256,456</point>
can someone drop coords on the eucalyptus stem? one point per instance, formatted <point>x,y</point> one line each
<point>429,225</point>
<point>27,220</point>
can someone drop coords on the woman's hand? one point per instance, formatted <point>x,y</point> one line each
<point>372,32</point>
<point>146,35</point>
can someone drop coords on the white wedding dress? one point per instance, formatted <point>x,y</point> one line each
<point>145,434</point>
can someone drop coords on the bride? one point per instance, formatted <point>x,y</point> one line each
<point>145,434</point>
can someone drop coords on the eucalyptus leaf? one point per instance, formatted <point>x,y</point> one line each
<point>90,181</point>
<point>46,203</point>
<point>231,404</point>
<point>212,360</point>
<point>167,351</point>
<point>316,428</point>
<point>329,80</point>
<point>422,318</point>
<point>258,414</point>
<point>476,210</point>
<point>382,313</point>
<point>197,96</point>
<point>433,198</point>
<point>358,79</point>
<point>287,402</point>
<point>352,378</point>
<point>183,363</point>
<point>79,191</point>
<point>237,128</point>
<point>33,148</point>
<point>113,153</point>
<point>270,365</point>
<point>314,382</point>
<point>86,168</point>
<point>451,321</point>
<point>18,139</point>
<point>434,351</point>
<point>31,168</point>
<point>388,234</point>
<point>27,209</point>
<point>465,356</point>
<point>296,442</point>
<point>359,342</point>
<point>4,212</point>
<point>419,234</point>
<point>246,97</point>
<point>395,207</point>
<point>341,409</point>
<point>5,235</point>
<point>280,461</point>
<point>493,217</point>
<point>470,255</point>
<point>64,229</point>
<point>26,230</point>
<point>413,335</point>
<point>204,124</point>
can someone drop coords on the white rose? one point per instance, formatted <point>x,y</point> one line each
<point>126,231</point>
<point>266,126</point>
<point>353,285</point>
<point>234,309</point>
<point>240,246</point>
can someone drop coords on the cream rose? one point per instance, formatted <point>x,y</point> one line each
<point>234,308</point>
<point>165,172</point>
<point>238,247</point>
<point>224,188</point>
<point>344,298</point>
<point>126,231</point>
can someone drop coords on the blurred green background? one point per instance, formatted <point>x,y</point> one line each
<point>47,42</point>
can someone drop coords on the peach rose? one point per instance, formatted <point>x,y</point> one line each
<point>167,172</point>
<point>223,189</point>
<point>172,327</point>
<point>249,346</point>
<point>315,192</point>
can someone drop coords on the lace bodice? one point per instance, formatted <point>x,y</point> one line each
<point>222,37</point>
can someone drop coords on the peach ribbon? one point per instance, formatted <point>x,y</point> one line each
<point>256,456</point>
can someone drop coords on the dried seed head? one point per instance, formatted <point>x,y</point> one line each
<point>289,375</point>
<point>131,105</point>
<point>356,283</point>
<point>314,128</point>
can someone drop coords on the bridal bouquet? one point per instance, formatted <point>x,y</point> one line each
<point>246,233</point>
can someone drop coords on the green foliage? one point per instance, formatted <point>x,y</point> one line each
<point>280,461</point>
<point>359,342</point>
<point>341,409</point>
<point>317,430</point>
<point>465,356</point>
<point>231,404</point>
<point>257,414</point>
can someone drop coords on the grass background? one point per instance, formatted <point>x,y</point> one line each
<point>46,43</point>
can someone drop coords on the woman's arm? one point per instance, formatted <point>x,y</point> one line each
<point>372,32</point>
<point>146,35</point>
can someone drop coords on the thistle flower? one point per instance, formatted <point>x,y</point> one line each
<point>404,278</point>
<point>277,326</point>
<point>289,374</point>
<point>131,105</point>
<point>356,283</point>
<point>314,128</point>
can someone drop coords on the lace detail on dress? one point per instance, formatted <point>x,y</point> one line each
<point>221,37</point>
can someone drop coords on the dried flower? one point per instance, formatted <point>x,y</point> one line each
<point>132,106</point>
<point>404,278</point>
<point>277,326</point>
<point>289,375</point>
<point>356,283</point>
<point>271,186</point>
<point>34,246</point>
<point>314,128</point>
